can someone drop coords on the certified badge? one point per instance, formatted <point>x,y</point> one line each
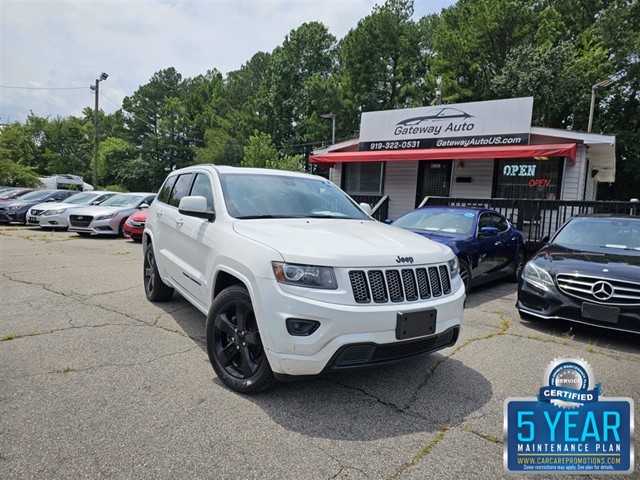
<point>569,383</point>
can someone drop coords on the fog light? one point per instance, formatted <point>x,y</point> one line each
<point>301,328</point>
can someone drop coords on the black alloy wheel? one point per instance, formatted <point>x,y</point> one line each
<point>233,342</point>
<point>518,266</point>
<point>154,288</point>
<point>465,274</point>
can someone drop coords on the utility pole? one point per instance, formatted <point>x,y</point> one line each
<point>332,117</point>
<point>96,141</point>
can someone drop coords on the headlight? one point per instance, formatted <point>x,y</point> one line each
<point>107,216</point>
<point>129,222</point>
<point>55,211</point>
<point>305,275</point>
<point>14,206</point>
<point>454,267</point>
<point>537,276</point>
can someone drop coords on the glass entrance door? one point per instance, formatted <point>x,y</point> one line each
<point>434,179</point>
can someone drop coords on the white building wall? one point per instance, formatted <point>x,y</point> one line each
<point>573,176</point>
<point>481,173</point>
<point>400,183</point>
<point>335,174</point>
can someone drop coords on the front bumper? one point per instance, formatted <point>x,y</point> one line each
<point>60,220</point>
<point>11,216</point>
<point>110,226</point>
<point>133,233</point>
<point>554,305</point>
<point>349,336</point>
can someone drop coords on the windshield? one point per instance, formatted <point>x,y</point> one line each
<point>281,196</point>
<point>81,198</point>
<point>121,201</point>
<point>613,233</point>
<point>36,195</point>
<point>451,222</point>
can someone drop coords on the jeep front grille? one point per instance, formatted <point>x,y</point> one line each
<point>399,285</point>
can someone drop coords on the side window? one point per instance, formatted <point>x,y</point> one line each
<point>485,221</point>
<point>180,189</point>
<point>165,190</point>
<point>202,187</point>
<point>500,222</point>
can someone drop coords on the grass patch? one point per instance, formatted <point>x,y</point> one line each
<point>10,336</point>
<point>424,451</point>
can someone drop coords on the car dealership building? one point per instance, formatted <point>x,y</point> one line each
<point>483,150</point>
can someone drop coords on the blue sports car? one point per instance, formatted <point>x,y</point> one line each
<point>486,243</point>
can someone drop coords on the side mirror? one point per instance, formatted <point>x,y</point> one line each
<point>195,206</point>
<point>144,205</point>
<point>388,221</point>
<point>488,231</point>
<point>545,239</point>
<point>48,200</point>
<point>366,207</point>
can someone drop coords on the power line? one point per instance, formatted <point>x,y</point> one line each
<point>42,88</point>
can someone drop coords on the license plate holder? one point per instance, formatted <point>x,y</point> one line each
<point>416,324</point>
<point>33,219</point>
<point>602,313</point>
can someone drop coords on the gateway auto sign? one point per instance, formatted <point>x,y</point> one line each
<point>493,123</point>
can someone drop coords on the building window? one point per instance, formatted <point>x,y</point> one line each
<point>528,178</point>
<point>363,178</point>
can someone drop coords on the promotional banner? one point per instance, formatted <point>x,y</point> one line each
<point>569,427</point>
<point>476,124</point>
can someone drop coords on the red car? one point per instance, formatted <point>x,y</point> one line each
<point>12,193</point>
<point>134,226</point>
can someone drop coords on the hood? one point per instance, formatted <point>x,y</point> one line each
<point>98,210</point>
<point>599,262</point>
<point>139,216</point>
<point>53,205</point>
<point>447,240</point>
<point>343,243</point>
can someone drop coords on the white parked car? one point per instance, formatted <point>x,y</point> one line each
<point>294,277</point>
<point>108,218</point>
<point>56,215</point>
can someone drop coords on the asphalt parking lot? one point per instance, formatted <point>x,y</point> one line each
<point>97,382</point>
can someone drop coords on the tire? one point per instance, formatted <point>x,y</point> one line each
<point>465,274</point>
<point>234,345</point>
<point>518,266</point>
<point>121,229</point>
<point>154,288</point>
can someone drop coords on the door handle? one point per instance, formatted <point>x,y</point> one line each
<point>179,222</point>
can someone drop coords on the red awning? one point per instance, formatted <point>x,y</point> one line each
<point>520,151</point>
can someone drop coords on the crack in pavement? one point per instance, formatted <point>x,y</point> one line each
<point>67,370</point>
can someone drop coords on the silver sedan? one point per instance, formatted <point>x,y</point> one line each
<point>108,218</point>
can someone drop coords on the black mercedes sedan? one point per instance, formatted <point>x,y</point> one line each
<point>589,272</point>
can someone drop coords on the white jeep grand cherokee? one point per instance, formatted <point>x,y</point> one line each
<point>294,277</point>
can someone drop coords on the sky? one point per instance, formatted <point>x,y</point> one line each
<point>53,50</point>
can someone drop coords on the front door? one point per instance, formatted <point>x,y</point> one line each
<point>434,179</point>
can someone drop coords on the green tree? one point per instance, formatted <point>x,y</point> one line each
<point>260,152</point>
<point>299,85</point>
<point>158,125</point>
<point>472,41</point>
<point>381,62</point>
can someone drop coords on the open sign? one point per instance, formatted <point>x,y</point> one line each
<point>539,182</point>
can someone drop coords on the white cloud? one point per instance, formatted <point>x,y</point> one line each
<point>68,44</point>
